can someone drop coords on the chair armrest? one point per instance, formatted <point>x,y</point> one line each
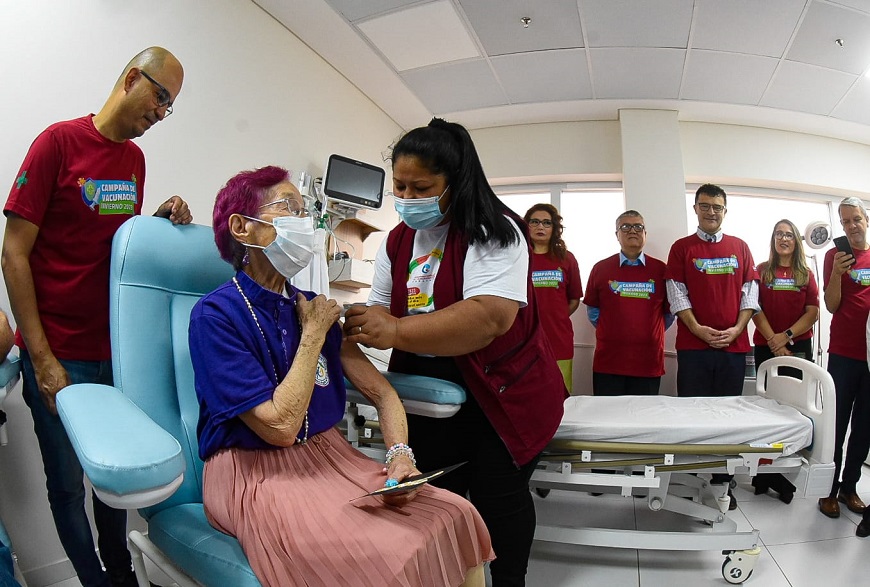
<point>425,396</point>
<point>10,370</point>
<point>131,461</point>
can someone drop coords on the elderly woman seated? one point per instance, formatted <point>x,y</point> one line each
<point>270,363</point>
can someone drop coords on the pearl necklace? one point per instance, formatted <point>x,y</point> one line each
<point>304,438</point>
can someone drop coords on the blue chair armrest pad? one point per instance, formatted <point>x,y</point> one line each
<point>9,369</point>
<point>120,448</point>
<point>423,389</point>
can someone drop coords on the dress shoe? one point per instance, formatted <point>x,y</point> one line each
<point>829,507</point>
<point>852,501</point>
<point>863,529</point>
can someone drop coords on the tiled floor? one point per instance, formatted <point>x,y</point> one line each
<point>801,547</point>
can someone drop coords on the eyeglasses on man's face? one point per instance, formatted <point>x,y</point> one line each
<point>632,227</point>
<point>717,208</point>
<point>784,236</point>
<point>544,223</point>
<point>163,97</point>
<point>292,207</point>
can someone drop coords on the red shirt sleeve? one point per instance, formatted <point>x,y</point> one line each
<point>30,193</point>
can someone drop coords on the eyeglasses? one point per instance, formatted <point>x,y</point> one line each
<point>544,223</point>
<point>292,207</point>
<point>717,208</point>
<point>786,236</point>
<point>629,227</point>
<point>162,96</point>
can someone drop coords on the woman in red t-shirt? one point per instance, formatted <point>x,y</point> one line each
<point>789,300</point>
<point>556,278</point>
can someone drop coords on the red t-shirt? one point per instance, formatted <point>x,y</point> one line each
<point>783,302</point>
<point>714,274</point>
<point>556,281</point>
<point>849,322</point>
<point>78,187</point>
<point>632,301</point>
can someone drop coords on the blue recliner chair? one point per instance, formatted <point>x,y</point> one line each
<point>10,373</point>
<point>137,441</point>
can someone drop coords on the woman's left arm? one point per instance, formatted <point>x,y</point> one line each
<point>391,414</point>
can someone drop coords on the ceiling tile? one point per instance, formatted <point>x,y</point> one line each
<point>354,10</point>
<point>629,23</point>
<point>544,76</point>
<point>732,78</point>
<point>854,106</point>
<point>456,86</point>
<point>746,26</point>
<point>555,25</point>
<point>637,73</point>
<point>399,36</point>
<point>823,24</point>
<point>806,88</point>
<point>863,5</point>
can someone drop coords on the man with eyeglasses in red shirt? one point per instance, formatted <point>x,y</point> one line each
<point>627,304</point>
<point>80,180</point>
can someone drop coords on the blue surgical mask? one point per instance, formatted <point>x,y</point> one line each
<point>421,213</point>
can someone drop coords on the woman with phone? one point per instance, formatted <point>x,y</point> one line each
<point>789,300</point>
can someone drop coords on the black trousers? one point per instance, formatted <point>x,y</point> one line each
<point>801,348</point>
<point>852,381</point>
<point>710,373</point>
<point>610,384</point>
<point>490,480</point>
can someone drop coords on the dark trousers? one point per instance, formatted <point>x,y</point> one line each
<point>801,348</point>
<point>490,480</point>
<point>852,381</point>
<point>710,373</point>
<point>610,384</point>
<point>65,484</point>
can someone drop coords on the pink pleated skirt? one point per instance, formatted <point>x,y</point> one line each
<point>291,510</point>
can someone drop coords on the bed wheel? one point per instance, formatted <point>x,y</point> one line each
<point>542,493</point>
<point>738,565</point>
<point>732,484</point>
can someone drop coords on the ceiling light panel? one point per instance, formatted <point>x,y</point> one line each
<point>423,35</point>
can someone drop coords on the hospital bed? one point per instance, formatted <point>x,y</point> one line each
<point>665,449</point>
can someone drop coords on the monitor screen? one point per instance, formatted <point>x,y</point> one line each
<point>354,183</point>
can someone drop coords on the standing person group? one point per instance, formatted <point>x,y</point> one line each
<point>80,180</point>
<point>556,279</point>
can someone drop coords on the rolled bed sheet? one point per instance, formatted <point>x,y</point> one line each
<point>685,420</point>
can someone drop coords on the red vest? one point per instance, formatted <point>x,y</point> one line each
<point>515,379</point>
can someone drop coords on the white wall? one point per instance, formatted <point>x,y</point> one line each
<point>253,95</point>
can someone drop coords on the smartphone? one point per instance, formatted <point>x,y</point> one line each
<point>842,244</point>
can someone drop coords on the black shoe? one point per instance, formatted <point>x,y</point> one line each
<point>786,496</point>
<point>760,484</point>
<point>863,529</point>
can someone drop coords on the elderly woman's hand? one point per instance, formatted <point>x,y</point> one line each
<point>400,468</point>
<point>317,315</point>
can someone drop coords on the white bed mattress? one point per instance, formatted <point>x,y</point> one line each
<point>685,420</point>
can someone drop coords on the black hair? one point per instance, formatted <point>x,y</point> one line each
<point>445,148</point>
<point>714,191</point>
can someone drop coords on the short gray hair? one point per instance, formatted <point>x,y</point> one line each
<point>854,203</point>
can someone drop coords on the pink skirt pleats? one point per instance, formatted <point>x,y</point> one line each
<point>291,510</point>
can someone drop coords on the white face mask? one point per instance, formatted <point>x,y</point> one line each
<point>293,247</point>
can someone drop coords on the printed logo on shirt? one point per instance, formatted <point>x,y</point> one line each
<point>633,289</point>
<point>783,284</point>
<point>860,276</point>
<point>717,266</point>
<point>547,278</point>
<point>110,196</point>
<point>421,281</point>
<point>321,373</point>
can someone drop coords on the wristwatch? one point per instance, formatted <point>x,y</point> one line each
<point>790,336</point>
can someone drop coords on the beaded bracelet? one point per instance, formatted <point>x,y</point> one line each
<point>401,448</point>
